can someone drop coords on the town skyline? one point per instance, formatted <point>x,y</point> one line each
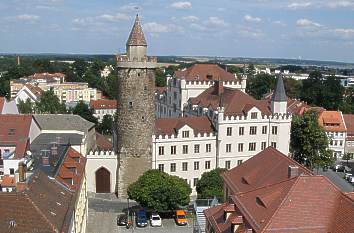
<point>309,30</point>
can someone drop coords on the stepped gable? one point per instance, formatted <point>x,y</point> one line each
<point>136,37</point>
<point>235,102</point>
<point>267,167</point>
<point>205,72</point>
<point>170,126</point>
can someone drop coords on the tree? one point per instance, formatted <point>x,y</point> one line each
<point>347,156</point>
<point>160,78</point>
<point>211,185</point>
<point>105,127</point>
<point>292,87</point>
<point>260,84</point>
<point>159,191</point>
<point>309,143</point>
<point>25,107</point>
<point>85,112</point>
<point>50,103</point>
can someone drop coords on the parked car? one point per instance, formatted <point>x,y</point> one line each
<point>347,175</point>
<point>122,220</point>
<point>155,220</point>
<point>339,168</point>
<point>141,220</point>
<point>351,179</point>
<point>180,218</point>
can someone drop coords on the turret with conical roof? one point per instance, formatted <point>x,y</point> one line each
<point>136,45</point>
<point>279,98</point>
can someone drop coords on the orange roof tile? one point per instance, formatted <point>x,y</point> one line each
<point>170,126</point>
<point>103,143</point>
<point>332,121</point>
<point>349,123</point>
<point>8,181</point>
<point>103,104</point>
<point>205,72</point>
<point>35,90</point>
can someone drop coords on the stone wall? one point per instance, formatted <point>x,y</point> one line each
<point>135,126</point>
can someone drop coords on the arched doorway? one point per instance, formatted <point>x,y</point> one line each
<point>103,181</point>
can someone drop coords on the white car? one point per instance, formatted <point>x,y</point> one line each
<point>155,220</point>
<point>351,179</point>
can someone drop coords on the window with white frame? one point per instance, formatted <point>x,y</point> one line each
<point>196,165</point>
<point>228,148</point>
<point>239,162</point>
<point>161,150</point>
<point>253,115</point>
<point>252,146</point>
<point>240,147</point>
<point>229,131</point>
<point>207,164</point>
<point>274,130</point>
<point>161,167</point>
<point>264,129</point>
<point>185,149</point>
<point>227,164</point>
<point>173,150</point>
<point>241,131</point>
<point>274,144</point>
<point>185,166</point>
<point>185,134</point>
<point>173,167</point>
<point>208,147</point>
<point>196,148</point>
<point>253,130</point>
<point>263,145</point>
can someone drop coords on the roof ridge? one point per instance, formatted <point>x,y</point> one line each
<point>297,178</point>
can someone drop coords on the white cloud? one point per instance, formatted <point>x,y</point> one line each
<point>131,8</point>
<point>250,18</point>
<point>300,5</point>
<point>280,23</point>
<point>344,33</point>
<point>28,18</point>
<point>154,27</point>
<point>190,18</point>
<point>114,18</point>
<point>337,4</point>
<point>250,33</point>
<point>181,5</point>
<point>307,23</point>
<point>216,21</point>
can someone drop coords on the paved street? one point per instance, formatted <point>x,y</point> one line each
<point>103,212</point>
<point>337,179</point>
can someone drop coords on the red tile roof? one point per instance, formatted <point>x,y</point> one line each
<point>170,126</point>
<point>35,90</point>
<point>160,90</point>
<point>267,167</point>
<point>72,168</point>
<point>235,102</point>
<point>332,121</point>
<point>270,201</point>
<point>205,72</point>
<point>103,143</point>
<point>349,123</point>
<point>43,207</point>
<point>15,132</point>
<point>103,104</point>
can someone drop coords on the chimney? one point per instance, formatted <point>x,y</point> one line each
<point>21,184</point>
<point>293,171</point>
<point>22,171</point>
<point>218,88</point>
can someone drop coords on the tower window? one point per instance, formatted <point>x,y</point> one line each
<point>130,104</point>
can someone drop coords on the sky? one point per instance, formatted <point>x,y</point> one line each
<point>301,29</point>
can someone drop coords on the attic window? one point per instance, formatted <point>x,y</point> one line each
<point>253,115</point>
<point>244,180</point>
<point>209,76</point>
<point>185,134</point>
<point>260,202</point>
<point>11,131</point>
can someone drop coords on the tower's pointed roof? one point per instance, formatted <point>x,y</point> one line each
<point>279,94</point>
<point>136,37</point>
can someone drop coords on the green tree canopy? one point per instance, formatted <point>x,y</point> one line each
<point>25,107</point>
<point>159,191</point>
<point>85,112</point>
<point>292,87</point>
<point>320,91</point>
<point>260,84</point>
<point>50,103</point>
<point>105,127</point>
<point>160,78</point>
<point>211,185</point>
<point>309,143</point>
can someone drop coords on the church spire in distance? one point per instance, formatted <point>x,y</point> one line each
<point>136,37</point>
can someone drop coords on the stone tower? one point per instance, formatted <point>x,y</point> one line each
<point>279,99</point>
<point>136,110</point>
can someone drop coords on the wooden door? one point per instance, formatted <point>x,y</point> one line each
<point>103,181</point>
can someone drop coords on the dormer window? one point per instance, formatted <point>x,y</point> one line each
<point>253,115</point>
<point>185,134</point>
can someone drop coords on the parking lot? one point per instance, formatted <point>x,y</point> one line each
<point>168,226</point>
<point>102,218</point>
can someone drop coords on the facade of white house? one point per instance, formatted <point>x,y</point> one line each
<point>185,154</point>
